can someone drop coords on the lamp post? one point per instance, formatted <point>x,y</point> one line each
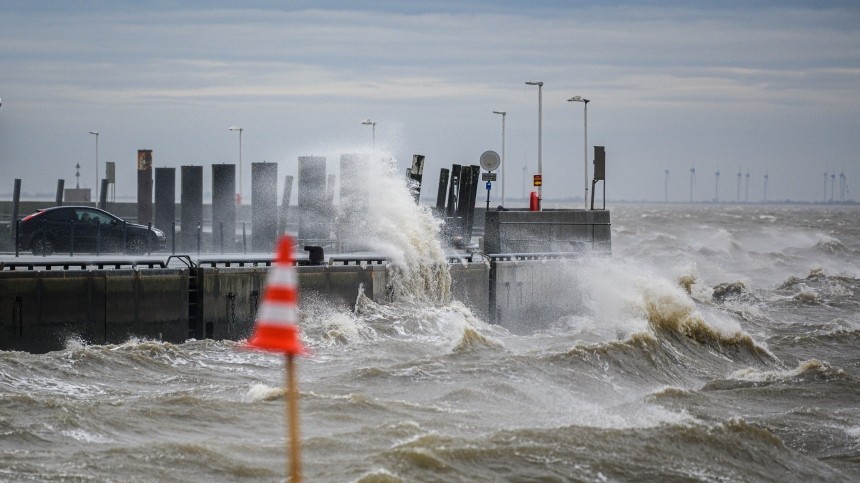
<point>372,124</point>
<point>504,180</point>
<point>585,146</point>
<point>540,134</point>
<point>239,194</point>
<point>96,189</point>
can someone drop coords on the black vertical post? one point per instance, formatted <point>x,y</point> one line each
<point>244,240</point>
<point>59,199</point>
<point>221,231</point>
<point>463,196</point>
<point>16,202</point>
<point>199,237</point>
<point>312,177</point>
<point>285,204</point>
<point>192,205</point>
<point>144,185</point>
<point>165,198</point>
<point>45,238</point>
<point>264,206</point>
<point>415,174</point>
<point>103,193</point>
<point>173,237</point>
<point>473,195</point>
<point>453,190</point>
<point>17,226</point>
<point>443,189</point>
<point>72,238</point>
<point>149,238</point>
<point>224,204</point>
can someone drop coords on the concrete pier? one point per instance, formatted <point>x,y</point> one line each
<point>41,310</point>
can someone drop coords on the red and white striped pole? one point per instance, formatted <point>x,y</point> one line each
<point>275,330</point>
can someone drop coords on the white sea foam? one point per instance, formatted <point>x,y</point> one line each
<point>262,392</point>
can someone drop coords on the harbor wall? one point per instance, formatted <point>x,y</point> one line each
<point>41,311</point>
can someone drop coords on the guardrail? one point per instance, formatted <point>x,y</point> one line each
<point>54,263</point>
<point>511,257</point>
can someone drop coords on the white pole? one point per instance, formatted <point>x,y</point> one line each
<point>540,138</point>
<point>504,179</point>
<point>237,128</point>
<point>96,189</point>
<point>585,143</point>
<point>585,151</point>
<point>240,165</point>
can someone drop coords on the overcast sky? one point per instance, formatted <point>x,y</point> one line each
<point>763,87</point>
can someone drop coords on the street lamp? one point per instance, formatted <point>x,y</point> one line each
<point>237,128</point>
<point>372,124</point>
<point>96,189</point>
<point>585,146</point>
<point>503,114</point>
<point>540,134</point>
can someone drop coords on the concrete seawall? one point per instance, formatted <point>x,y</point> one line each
<point>41,310</point>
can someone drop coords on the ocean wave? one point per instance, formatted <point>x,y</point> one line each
<point>809,370</point>
<point>829,245</point>
<point>472,340</point>
<point>669,310</point>
<point>733,450</point>
<point>819,287</point>
<point>262,392</point>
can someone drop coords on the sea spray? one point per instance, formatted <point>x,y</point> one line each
<point>378,213</point>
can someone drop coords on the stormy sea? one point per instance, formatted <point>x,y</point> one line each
<point>716,343</point>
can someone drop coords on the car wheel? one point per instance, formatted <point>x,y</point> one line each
<point>137,245</point>
<point>41,245</point>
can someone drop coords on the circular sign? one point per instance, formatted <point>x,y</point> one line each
<point>490,160</point>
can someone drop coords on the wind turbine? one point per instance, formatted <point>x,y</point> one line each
<point>825,186</point>
<point>739,184</point>
<point>717,187</point>
<point>765,186</point>
<point>692,180</point>
<point>666,187</point>
<point>747,187</point>
<point>832,183</point>
<point>843,184</point>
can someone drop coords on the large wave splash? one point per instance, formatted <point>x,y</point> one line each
<point>632,301</point>
<point>378,213</point>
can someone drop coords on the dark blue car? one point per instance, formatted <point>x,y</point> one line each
<point>85,229</point>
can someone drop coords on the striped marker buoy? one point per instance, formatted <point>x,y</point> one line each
<point>275,328</point>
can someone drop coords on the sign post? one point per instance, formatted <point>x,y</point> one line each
<point>490,161</point>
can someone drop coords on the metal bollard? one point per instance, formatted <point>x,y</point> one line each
<point>244,241</point>
<point>72,238</point>
<point>98,237</point>
<point>45,239</point>
<point>17,229</point>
